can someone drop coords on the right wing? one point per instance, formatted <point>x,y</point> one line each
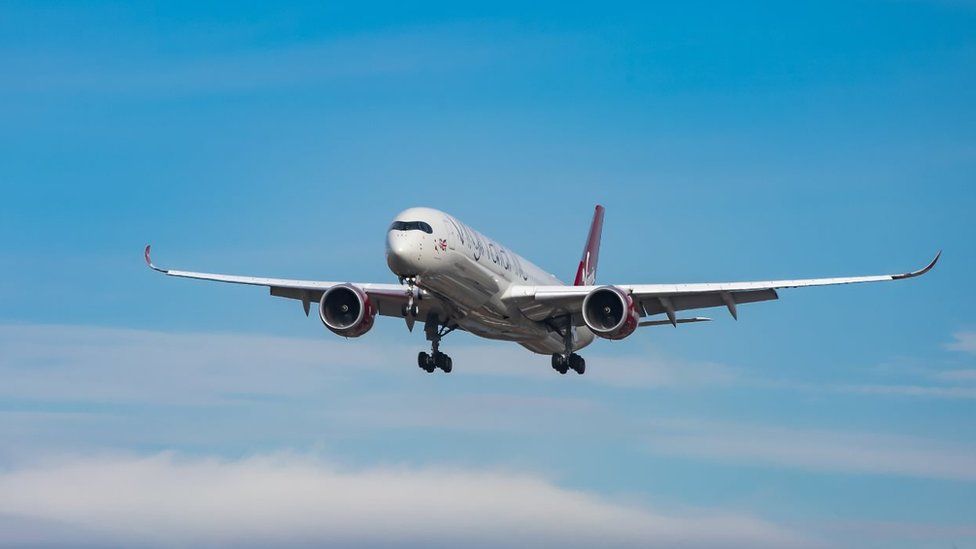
<point>388,298</point>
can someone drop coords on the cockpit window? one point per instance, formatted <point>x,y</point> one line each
<point>411,226</point>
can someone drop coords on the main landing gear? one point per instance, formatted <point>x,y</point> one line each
<point>431,362</point>
<point>568,360</point>
<point>564,363</point>
<point>435,359</point>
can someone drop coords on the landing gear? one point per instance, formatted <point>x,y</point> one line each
<point>577,363</point>
<point>435,359</point>
<point>411,309</point>
<point>568,360</point>
<point>431,362</point>
<point>563,363</point>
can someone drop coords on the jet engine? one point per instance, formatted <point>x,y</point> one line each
<point>346,310</point>
<point>610,313</point>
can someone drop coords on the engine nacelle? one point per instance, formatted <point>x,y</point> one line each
<point>610,313</point>
<point>346,310</point>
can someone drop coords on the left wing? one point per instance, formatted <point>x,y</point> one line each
<point>542,302</point>
<point>388,298</point>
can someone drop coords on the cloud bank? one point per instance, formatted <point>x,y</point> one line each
<point>293,499</point>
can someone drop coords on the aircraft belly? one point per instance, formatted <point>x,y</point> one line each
<point>468,285</point>
<point>493,327</point>
<point>475,293</point>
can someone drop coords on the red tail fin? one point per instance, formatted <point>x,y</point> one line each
<point>586,273</point>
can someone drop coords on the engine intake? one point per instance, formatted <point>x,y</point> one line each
<point>610,313</point>
<point>346,310</point>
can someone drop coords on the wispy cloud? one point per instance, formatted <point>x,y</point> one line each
<point>647,369</point>
<point>967,375</point>
<point>90,387</point>
<point>71,364</point>
<point>92,364</point>
<point>925,379</point>
<point>125,365</point>
<point>964,342</point>
<point>932,534</point>
<point>814,450</point>
<point>292,499</point>
<point>932,391</point>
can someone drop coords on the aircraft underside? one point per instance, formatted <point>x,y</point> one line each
<point>489,323</point>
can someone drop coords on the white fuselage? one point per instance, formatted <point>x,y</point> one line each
<point>470,272</point>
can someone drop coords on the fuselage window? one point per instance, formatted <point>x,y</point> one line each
<point>411,226</point>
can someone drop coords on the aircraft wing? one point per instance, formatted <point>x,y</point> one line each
<point>542,302</point>
<point>388,298</point>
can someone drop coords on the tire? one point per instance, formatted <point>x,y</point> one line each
<point>559,363</point>
<point>426,362</point>
<point>448,364</point>
<point>577,363</point>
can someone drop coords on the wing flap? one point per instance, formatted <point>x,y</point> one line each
<point>652,304</point>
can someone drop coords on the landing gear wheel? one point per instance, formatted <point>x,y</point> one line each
<point>410,310</point>
<point>426,362</point>
<point>444,362</point>
<point>577,363</point>
<point>559,363</point>
<point>434,329</point>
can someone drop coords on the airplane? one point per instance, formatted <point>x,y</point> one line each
<point>451,277</point>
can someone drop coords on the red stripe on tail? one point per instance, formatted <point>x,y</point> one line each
<point>586,272</point>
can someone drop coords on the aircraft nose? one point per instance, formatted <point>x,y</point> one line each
<point>402,253</point>
<point>397,243</point>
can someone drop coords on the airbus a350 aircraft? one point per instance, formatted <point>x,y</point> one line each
<point>453,277</point>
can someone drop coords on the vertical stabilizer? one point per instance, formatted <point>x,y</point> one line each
<point>586,272</point>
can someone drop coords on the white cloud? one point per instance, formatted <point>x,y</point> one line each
<point>964,342</point>
<point>648,369</point>
<point>338,384</point>
<point>913,390</point>
<point>292,499</point>
<point>80,363</point>
<point>957,375</point>
<point>815,450</point>
<point>125,365</point>
<point>931,534</point>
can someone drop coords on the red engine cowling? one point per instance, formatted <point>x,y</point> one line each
<point>346,310</point>
<point>610,313</point>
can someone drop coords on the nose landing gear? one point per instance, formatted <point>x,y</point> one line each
<point>410,310</point>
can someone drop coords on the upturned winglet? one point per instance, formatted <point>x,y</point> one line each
<point>149,262</point>
<point>921,271</point>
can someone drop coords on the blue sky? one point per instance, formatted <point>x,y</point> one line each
<point>728,141</point>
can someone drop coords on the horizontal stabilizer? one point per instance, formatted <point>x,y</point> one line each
<point>676,321</point>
